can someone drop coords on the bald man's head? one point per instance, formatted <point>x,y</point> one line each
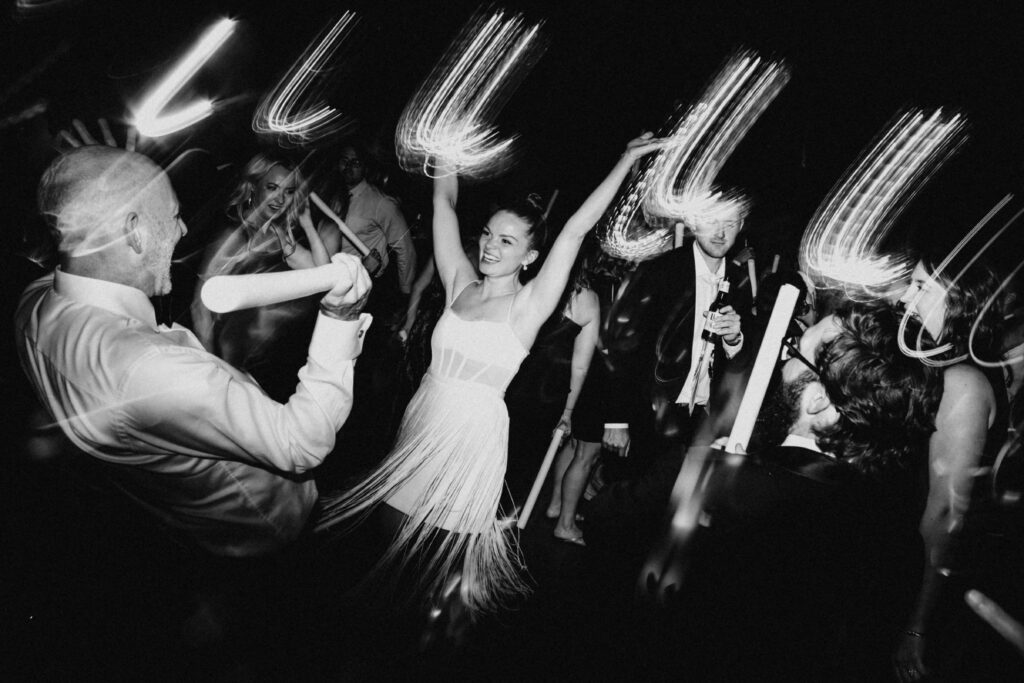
<point>86,193</point>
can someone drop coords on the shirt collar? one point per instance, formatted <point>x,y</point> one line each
<point>359,189</point>
<point>801,442</point>
<point>110,296</point>
<point>701,266</point>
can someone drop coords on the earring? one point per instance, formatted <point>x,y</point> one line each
<point>525,265</point>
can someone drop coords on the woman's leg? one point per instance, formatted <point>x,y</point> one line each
<point>573,484</point>
<point>562,461</point>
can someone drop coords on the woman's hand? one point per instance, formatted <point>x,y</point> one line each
<point>306,220</point>
<point>565,424</point>
<point>643,145</point>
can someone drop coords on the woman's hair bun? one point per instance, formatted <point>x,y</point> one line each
<point>534,200</point>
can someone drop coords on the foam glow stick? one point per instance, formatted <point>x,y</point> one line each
<point>345,230</point>
<point>149,117</point>
<point>226,293</point>
<point>752,272</point>
<point>767,357</point>
<point>542,475</point>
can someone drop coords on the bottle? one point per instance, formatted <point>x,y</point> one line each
<point>720,301</point>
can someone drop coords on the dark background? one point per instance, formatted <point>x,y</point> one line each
<point>612,69</point>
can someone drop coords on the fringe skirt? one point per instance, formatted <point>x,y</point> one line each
<point>445,472</point>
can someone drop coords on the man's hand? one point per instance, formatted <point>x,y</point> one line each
<point>85,138</point>
<point>616,439</point>
<point>726,324</point>
<point>348,297</point>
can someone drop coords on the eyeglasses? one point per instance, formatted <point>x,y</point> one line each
<point>790,350</point>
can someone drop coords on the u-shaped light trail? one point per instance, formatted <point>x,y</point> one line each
<point>840,247</point>
<point>678,184</point>
<point>149,117</point>
<point>449,122</point>
<point>295,107</point>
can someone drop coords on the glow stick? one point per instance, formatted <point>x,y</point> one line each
<point>542,475</point>
<point>345,230</point>
<point>551,203</point>
<point>678,182</point>
<point>226,293</point>
<point>678,240</point>
<point>295,108</point>
<point>149,117</point>
<point>752,274</point>
<point>449,122</point>
<point>767,357</point>
<point>840,246</point>
<point>996,617</point>
<point>775,263</point>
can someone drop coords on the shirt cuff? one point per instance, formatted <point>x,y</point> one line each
<point>336,340</point>
<point>616,425</point>
<point>731,351</point>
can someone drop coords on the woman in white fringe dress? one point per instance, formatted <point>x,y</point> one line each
<point>447,466</point>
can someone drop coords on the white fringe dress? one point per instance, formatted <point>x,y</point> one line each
<point>447,467</point>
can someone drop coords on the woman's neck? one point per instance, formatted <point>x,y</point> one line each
<point>500,286</point>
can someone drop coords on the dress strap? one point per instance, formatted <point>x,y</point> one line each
<point>459,293</point>
<point>508,313</point>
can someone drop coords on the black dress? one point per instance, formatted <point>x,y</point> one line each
<point>536,399</point>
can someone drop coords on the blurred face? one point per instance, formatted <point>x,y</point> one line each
<point>274,194</point>
<point>817,335</point>
<point>505,245</point>
<point>160,212</point>
<point>925,299</point>
<point>716,237</point>
<point>351,167</point>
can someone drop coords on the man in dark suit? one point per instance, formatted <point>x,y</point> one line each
<point>664,384</point>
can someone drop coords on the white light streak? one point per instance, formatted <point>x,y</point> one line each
<point>678,183</point>
<point>840,247</point>
<point>449,122</point>
<point>295,108</point>
<point>149,118</point>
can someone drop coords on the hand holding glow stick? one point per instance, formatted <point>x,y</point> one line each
<point>345,230</point>
<point>226,293</point>
<point>542,475</point>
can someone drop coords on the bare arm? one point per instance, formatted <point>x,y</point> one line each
<point>546,289</point>
<point>955,449</point>
<point>297,256</point>
<point>425,276</point>
<point>449,258</point>
<point>587,312</point>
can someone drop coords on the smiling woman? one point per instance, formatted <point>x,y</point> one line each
<point>265,207</point>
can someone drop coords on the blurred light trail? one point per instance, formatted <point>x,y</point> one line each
<point>30,9</point>
<point>705,138</point>
<point>677,183</point>
<point>936,279</point>
<point>149,118</point>
<point>295,107</point>
<point>840,247</point>
<point>449,122</point>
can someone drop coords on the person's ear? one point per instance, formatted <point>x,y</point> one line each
<point>531,256</point>
<point>133,232</point>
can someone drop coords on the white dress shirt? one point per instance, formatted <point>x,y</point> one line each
<point>378,223</point>
<point>188,436</point>
<point>704,294</point>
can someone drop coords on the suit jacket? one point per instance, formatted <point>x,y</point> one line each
<point>648,338</point>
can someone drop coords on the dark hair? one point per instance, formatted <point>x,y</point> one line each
<point>531,211</point>
<point>965,300</point>
<point>886,400</point>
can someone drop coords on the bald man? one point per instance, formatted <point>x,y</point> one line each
<point>187,436</point>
